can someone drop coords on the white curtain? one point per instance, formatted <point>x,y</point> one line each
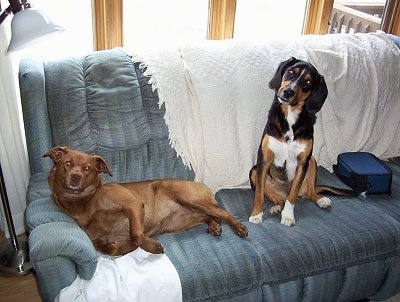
<point>13,154</point>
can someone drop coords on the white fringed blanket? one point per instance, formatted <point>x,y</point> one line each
<point>217,99</point>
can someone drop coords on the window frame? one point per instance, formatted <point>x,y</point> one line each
<point>107,24</point>
<point>221,19</point>
<point>391,21</point>
<point>318,14</point>
<point>108,20</point>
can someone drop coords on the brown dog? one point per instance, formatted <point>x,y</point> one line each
<point>285,167</point>
<point>118,218</point>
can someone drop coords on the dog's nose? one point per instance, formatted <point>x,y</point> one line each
<point>288,93</point>
<point>75,178</point>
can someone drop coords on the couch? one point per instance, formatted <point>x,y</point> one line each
<point>103,103</point>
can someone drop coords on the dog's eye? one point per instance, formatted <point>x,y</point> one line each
<point>68,164</point>
<point>291,74</point>
<point>86,168</point>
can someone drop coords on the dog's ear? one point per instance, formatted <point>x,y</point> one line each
<point>56,153</point>
<point>275,82</point>
<point>101,165</point>
<point>317,99</point>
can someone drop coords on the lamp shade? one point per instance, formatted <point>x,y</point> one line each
<point>28,26</point>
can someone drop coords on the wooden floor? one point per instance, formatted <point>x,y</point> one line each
<point>20,288</point>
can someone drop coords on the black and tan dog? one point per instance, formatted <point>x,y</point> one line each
<point>285,167</point>
<point>119,217</point>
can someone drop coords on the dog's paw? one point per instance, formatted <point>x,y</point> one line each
<point>158,248</point>
<point>275,209</point>
<point>161,249</point>
<point>152,246</point>
<point>288,221</point>
<point>257,219</point>
<point>241,230</point>
<point>324,202</point>
<point>288,215</point>
<point>214,228</point>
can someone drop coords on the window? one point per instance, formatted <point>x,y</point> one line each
<point>140,24</point>
<point>149,23</point>
<point>76,17</point>
<point>263,19</point>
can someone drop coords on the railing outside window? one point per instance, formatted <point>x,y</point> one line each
<point>354,18</point>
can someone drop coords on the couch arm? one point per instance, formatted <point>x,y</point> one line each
<point>32,85</point>
<point>59,249</point>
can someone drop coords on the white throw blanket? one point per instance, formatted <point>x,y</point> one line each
<point>217,99</point>
<point>138,276</point>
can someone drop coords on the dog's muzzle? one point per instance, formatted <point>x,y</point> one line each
<point>74,183</point>
<point>286,95</point>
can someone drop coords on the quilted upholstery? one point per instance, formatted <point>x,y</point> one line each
<point>101,103</point>
<point>320,259</point>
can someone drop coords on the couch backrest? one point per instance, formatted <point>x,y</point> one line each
<point>98,103</point>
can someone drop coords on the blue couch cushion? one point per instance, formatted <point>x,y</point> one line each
<point>103,108</point>
<point>102,103</point>
<point>390,204</point>
<point>351,233</point>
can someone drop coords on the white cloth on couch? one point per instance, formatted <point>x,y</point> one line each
<point>217,99</point>
<point>137,276</point>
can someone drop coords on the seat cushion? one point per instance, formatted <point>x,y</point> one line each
<point>390,204</point>
<point>351,233</point>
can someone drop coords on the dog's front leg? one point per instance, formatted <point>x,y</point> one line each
<point>264,161</point>
<point>136,223</point>
<point>287,217</point>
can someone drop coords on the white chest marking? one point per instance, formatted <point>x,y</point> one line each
<point>286,152</point>
<point>291,119</point>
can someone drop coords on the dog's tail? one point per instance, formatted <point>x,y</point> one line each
<point>328,190</point>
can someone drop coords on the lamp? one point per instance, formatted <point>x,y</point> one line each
<point>28,25</point>
<point>14,259</point>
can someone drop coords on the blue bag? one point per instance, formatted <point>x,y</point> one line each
<point>364,172</point>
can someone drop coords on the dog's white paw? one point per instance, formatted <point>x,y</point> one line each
<point>275,209</point>
<point>288,221</point>
<point>257,219</point>
<point>288,215</point>
<point>324,202</point>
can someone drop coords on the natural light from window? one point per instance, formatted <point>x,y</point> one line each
<point>76,17</point>
<point>150,24</point>
<point>262,19</point>
<point>154,23</point>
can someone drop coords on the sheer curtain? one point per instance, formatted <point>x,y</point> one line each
<point>13,154</point>
<point>77,39</point>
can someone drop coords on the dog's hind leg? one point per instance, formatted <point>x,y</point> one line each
<point>214,225</point>
<point>201,199</point>
<point>271,192</point>
<point>220,214</point>
<point>277,198</point>
<point>309,188</point>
